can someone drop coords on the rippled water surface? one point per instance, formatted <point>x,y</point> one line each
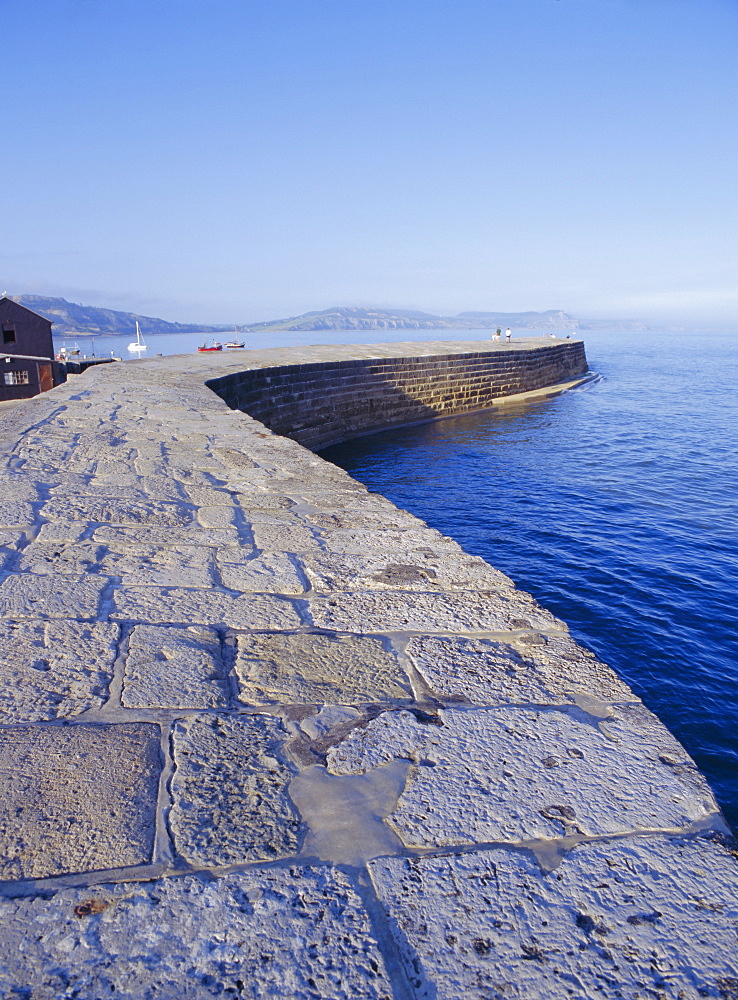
<point>615,505</point>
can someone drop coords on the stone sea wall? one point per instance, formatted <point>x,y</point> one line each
<point>263,734</point>
<point>324,402</point>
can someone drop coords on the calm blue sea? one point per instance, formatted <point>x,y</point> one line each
<point>616,505</point>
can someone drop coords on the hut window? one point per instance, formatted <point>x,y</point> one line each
<point>16,378</point>
<point>8,334</point>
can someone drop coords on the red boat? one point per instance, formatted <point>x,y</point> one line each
<point>216,347</point>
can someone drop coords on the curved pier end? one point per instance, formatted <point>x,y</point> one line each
<point>263,734</point>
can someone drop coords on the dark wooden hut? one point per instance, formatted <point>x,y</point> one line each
<point>27,365</point>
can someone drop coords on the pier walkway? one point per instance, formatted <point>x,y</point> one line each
<point>263,734</point>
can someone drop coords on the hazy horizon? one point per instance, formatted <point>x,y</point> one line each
<point>233,162</point>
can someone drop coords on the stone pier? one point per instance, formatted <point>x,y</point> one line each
<point>263,734</point>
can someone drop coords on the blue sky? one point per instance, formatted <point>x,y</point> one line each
<point>236,160</point>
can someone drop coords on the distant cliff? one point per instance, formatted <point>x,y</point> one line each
<point>346,318</point>
<point>70,318</point>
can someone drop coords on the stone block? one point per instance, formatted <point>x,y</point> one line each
<point>301,933</point>
<point>410,570</point>
<point>485,672</point>
<point>176,605</point>
<point>164,566</point>
<point>229,791</point>
<point>28,596</point>
<point>272,572</point>
<point>77,798</point>
<point>381,540</point>
<point>501,611</point>
<point>174,668</point>
<point>284,538</point>
<point>62,557</point>
<point>513,775</point>
<point>644,917</point>
<point>102,511</point>
<point>54,669</point>
<point>13,512</point>
<point>152,535</point>
<point>307,668</point>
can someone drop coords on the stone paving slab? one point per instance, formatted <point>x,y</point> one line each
<point>284,538</point>
<point>103,511</point>
<point>305,668</point>
<point>631,919</point>
<point>28,596</point>
<point>509,775</point>
<point>162,605</point>
<point>54,669</point>
<point>426,541</point>
<point>485,672</point>
<point>272,572</point>
<point>14,512</point>
<point>300,933</point>
<point>229,791</point>
<point>77,798</point>
<point>409,570</point>
<point>175,537</point>
<point>174,668</point>
<point>183,565</point>
<point>401,611</point>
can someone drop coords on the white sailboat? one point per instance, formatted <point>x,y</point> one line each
<point>138,344</point>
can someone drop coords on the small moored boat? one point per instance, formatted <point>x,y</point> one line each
<point>233,343</point>
<point>138,344</point>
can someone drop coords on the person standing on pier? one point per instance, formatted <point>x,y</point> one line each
<point>508,334</point>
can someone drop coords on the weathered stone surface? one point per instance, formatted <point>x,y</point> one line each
<point>510,775</point>
<point>174,566</point>
<point>633,918</point>
<point>284,538</point>
<point>16,512</point>
<point>229,791</point>
<point>366,517</point>
<point>174,668</point>
<point>426,541</point>
<point>76,798</point>
<point>10,542</point>
<point>92,509</point>
<point>216,517</point>
<point>176,605</point>
<point>501,611</point>
<point>54,669</point>
<point>28,596</point>
<point>496,673</point>
<point>338,669</point>
<point>153,535</point>
<point>410,570</point>
<point>63,557</point>
<point>300,933</point>
<point>272,572</point>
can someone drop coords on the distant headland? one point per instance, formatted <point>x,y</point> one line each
<point>72,319</point>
